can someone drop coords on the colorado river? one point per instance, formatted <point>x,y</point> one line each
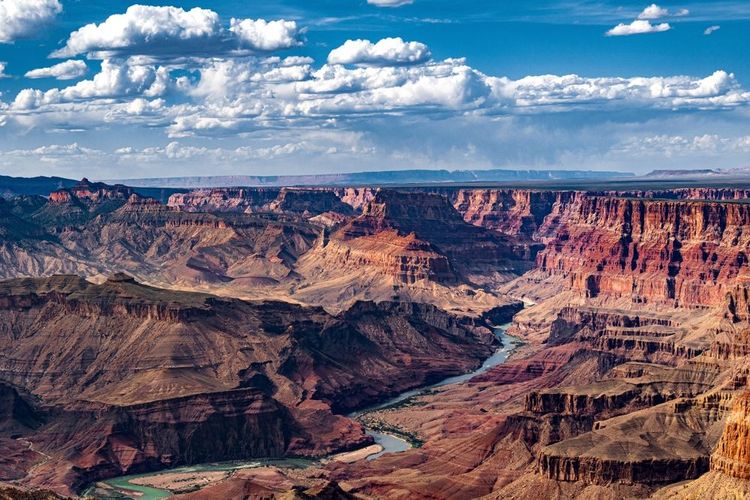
<point>389,442</point>
<point>395,444</point>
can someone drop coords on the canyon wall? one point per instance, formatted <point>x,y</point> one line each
<point>732,456</point>
<point>688,253</point>
<point>126,378</point>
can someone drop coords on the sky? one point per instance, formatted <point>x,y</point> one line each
<point>116,90</point>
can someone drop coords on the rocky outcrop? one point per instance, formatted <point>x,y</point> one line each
<point>357,197</point>
<point>541,430</point>
<point>514,212</point>
<point>571,321</point>
<point>693,193</point>
<point>241,200</point>
<point>583,402</point>
<point>732,456</point>
<point>602,472</point>
<point>663,444</point>
<point>91,192</point>
<point>309,202</point>
<point>119,440</point>
<point>429,237</point>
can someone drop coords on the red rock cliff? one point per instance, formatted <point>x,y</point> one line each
<point>732,456</point>
<point>687,252</point>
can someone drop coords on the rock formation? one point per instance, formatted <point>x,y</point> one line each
<point>732,456</point>
<point>631,377</point>
<point>224,199</point>
<point>688,253</point>
<point>131,378</point>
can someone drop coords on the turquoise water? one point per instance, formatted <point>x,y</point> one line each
<point>509,343</point>
<point>123,485</point>
<point>394,444</point>
<point>390,443</point>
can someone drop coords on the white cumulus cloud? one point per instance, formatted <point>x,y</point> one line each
<point>653,11</point>
<point>67,70</point>
<point>170,31</point>
<point>144,27</point>
<point>638,27</point>
<point>117,78</point>
<point>260,34</point>
<point>681,146</point>
<point>2,69</point>
<point>23,18</point>
<point>388,51</point>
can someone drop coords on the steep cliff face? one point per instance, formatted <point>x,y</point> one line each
<point>80,204</point>
<point>357,197</point>
<point>693,193</point>
<point>433,235</point>
<point>104,441</point>
<point>509,211</point>
<point>688,253</point>
<point>309,202</point>
<point>91,192</point>
<point>732,456</point>
<point>663,444</point>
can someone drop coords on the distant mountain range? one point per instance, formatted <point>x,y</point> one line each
<point>374,178</point>
<point>163,187</point>
<point>43,186</point>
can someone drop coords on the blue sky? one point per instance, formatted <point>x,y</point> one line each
<point>117,90</point>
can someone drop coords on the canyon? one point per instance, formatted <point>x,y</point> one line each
<point>236,323</point>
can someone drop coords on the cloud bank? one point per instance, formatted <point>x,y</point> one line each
<point>170,86</point>
<point>173,31</point>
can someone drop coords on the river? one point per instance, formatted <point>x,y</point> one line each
<point>395,444</point>
<point>389,442</point>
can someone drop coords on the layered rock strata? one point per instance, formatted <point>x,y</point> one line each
<point>128,378</point>
<point>685,253</point>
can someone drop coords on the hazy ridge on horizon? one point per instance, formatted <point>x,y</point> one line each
<point>376,177</point>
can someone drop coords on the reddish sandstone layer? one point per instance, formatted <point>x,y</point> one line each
<point>688,253</point>
<point>508,211</point>
<point>309,202</point>
<point>431,232</point>
<point>732,456</point>
<point>91,192</point>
